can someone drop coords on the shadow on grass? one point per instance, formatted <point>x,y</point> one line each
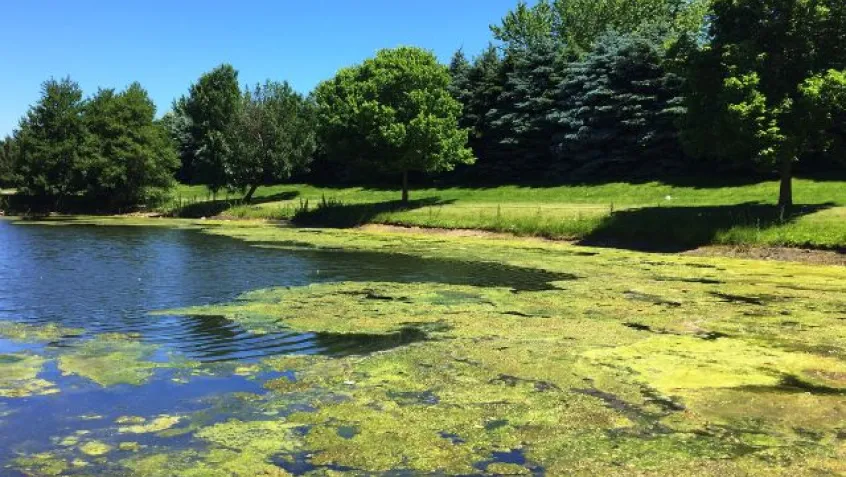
<point>677,229</point>
<point>335,214</point>
<point>211,208</point>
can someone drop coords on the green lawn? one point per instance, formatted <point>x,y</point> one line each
<point>650,215</point>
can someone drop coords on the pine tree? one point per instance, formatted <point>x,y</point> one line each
<point>616,111</point>
<point>520,121</point>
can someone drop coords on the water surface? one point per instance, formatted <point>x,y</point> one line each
<point>108,280</point>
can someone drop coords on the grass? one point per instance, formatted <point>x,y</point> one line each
<point>627,364</point>
<point>651,215</point>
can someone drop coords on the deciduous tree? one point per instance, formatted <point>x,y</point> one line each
<point>273,136</point>
<point>395,113</point>
<point>750,85</point>
<point>54,142</point>
<point>211,108</point>
<point>133,154</point>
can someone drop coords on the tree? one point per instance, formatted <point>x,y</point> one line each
<point>54,143</point>
<point>395,113</point>
<point>577,24</point>
<point>133,153</point>
<point>273,136</point>
<point>178,125</point>
<point>520,120</point>
<point>8,153</point>
<point>823,103</point>
<point>479,89</point>
<point>746,97</point>
<point>211,108</point>
<point>617,109</point>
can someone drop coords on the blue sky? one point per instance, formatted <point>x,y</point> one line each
<point>167,44</point>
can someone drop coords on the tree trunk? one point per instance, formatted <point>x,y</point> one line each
<point>249,196</point>
<point>404,187</point>
<point>785,195</point>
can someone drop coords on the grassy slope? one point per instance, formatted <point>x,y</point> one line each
<point>653,213</point>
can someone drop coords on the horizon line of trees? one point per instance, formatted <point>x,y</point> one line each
<point>573,90</point>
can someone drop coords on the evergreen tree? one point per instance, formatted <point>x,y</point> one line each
<point>211,108</point>
<point>133,154</point>
<point>459,72</point>
<point>616,112</point>
<point>54,143</point>
<point>520,121</point>
<point>485,81</point>
<point>178,125</point>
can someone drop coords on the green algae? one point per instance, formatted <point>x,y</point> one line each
<point>110,359</point>
<point>95,448</point>
<point>19,376</point>
<point>237,448</point>
<point>729,368</point>
<point>139,425</point>
<point>42,464</point>
<point>35,333</point>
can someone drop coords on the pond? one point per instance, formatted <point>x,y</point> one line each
<point>93,289</point>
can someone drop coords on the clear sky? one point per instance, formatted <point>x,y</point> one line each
<point>167,44</point>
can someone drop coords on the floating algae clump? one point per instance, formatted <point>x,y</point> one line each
<point>110,359</point>
<point>95,448</point>
<point>237,448</point>
<point>19,376</point>
<point>41,464</point>
<point>138,425</point>
<point>31,333</point>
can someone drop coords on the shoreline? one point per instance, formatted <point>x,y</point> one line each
<point>804,255</point>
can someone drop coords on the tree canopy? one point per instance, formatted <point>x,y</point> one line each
<point>54,142</point>
<point>749,82</point>
<point>210,111</point>
<point>273,136</point>
<point>393,112</point>
<point>577,24</point>
<point>132,152</point>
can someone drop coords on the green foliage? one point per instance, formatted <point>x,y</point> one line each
<point>616,111</point>
<point>520,121</point>
<point>108,150</point>
<point>393,113</point>
<point>211,109</point>
<point>579,23</point>
<point>8,157</point>
<point>746,99</point>
<point>479,89</point>
<point>133,153</point>
<point>272,137</point>
<point>54,142</point>
<point>823,101</point>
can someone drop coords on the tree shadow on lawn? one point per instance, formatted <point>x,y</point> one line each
<point>211,208</point>
<point>677,229</point>
<point>335,214</point>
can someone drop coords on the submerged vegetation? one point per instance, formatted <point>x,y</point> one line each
<point>621,363</point>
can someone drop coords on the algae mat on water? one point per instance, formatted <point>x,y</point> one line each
<point>635,365</point>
